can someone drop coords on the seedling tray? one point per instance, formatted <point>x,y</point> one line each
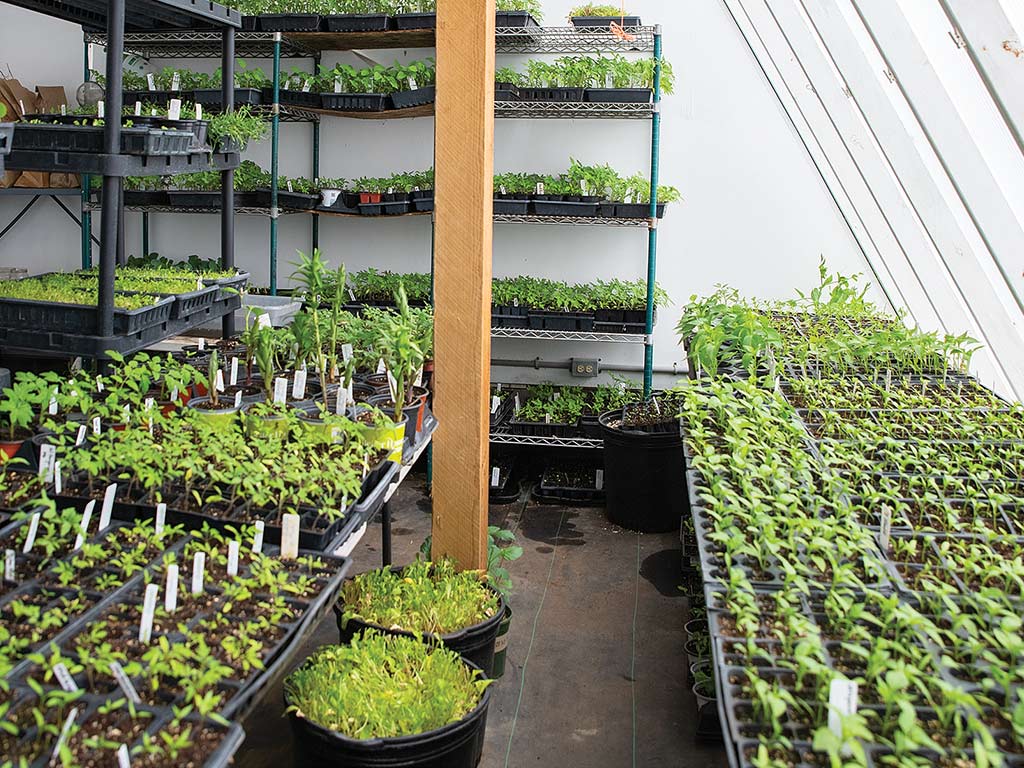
<point>511,207</point>
<point>559,208</point>
<point>289,22</point>
<point>515,19</point>
<point>160,98</point>
<point>298,201</point>
<point>407,21</point>
<point>396,208</point>
<point>549,491</point>
<point>187,305</point>
<point>603,23</point>
<point>551,94</point>
<point>307,99</point>
<point>187,198</point>
<point>422,201</point>
<point>637,210</point>
<point>542,429</point>
<point>214,97</point>
<point>357,22</point>
<point>507,489</point>
<point>6,139</point>
<point>561,321</point>
<point>89,139</point>
<point>356,102</point>
<point>416,98</point>
<point>619,95</point>
<point>144,197</point>
<point>52,317</point>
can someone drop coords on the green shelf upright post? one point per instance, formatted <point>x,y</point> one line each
<point>275,129</point>
<point>315,234</point>
<point>145,234</point>
<point>86,214</point>
<point>652,235</point>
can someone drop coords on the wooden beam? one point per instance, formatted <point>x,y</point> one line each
<point>463,227</point>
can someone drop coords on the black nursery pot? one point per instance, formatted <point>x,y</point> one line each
<point>475,644</point>
<point>456,745</point>
<point>644,477</point>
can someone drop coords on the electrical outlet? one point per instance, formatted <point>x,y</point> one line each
<point>585,368</point>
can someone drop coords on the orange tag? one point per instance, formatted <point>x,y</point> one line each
<point>621,34</point>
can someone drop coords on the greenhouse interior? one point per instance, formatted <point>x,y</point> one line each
<point>507,383</point>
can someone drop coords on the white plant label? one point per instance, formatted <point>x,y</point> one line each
<point>517,403</point>
<point>257,539</point>
<point>547,418</point>
<point>148,610</point>
<point>515,302</point>
<point>174,395</point>
<point>52,408</point>
<point>96,426</point>
<point>289,186</point>
<point>72,716</point>
<point>161,517</point>
<point>138,108</point>
<point>150,81</point>
<point>499,386</point>
<point>124,759</point>
<point>263,320</point>
<point>495,476</point>
<point>307,85</point>
<point>99,383</point>
<point>352,295</point>
<point>234,371</point>
<point>125,683</point>
<point>337,85</point>
<point>232,558</point>
<point>33,529</point>
<point>599,480</point>
<point>64,678</point>
<point>9,565</point>
<point>886,532</point>
<point>842,702</point>
<point>149,403</point>
<point>47,458</point>
<point>176,84</point>
<point>412,85</point>
<point>346,352</point>
<point>83,529</point>
<point>198,572</point>
<point>393,386</point>
<point>171,596</point>
<point>58,479</point>
<point>418,381</point>
<point>495,404</point>
<point>108,505</point>
<point>238,398</point>
<point>299,385</point>
<point>199,111</point>
<point>202,344</point>
<point>342,402</point>
<point>218,381</point>
<point>289,537</point>
<point>126,414</point>
<point>540,188</point>
<point>76,365</point>
<point>100,109</point>
<point>381,368</point>
<point>280,390</point>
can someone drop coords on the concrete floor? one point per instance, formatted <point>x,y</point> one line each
<point>595,676</point>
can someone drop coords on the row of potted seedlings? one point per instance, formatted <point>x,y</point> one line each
<point>547,410</point>
<point>862,576</point>
<point>604,79</point>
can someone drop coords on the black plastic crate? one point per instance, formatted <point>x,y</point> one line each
<point>289,22</point>
<point>187,305</point>
<point>356,102</point>
<point>416,98</point>
<point>407,21</point>
<point>214,97</point>
<point>51,317</point>
<point>357,22</point>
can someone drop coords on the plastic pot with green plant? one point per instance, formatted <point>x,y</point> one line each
<point>212,408</point>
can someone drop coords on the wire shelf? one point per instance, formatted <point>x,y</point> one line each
<point>177,209</point>
<point>500,438</point>
<point>577,221</point>
<point>572,110</point>
<point>594,336</point>
<point>572,40</point>
<point>202,44</point>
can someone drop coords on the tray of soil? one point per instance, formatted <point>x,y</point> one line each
<point>603,23</point>
<point>214,97</point>
<point>622,320</point>
<point>414,98</point>
<point>561,321</point>
<point>427,601</point>
<point>356,22</point>
<point>619,95</point>
<point>289,22</point>
<point>570,484</point>
<point>551,94</point>
<point>356,102</point>
<point>406,21</point>
<point>637,210</point>
<point>506,489</point>
<point>542,428</point>
<point>505,206</point>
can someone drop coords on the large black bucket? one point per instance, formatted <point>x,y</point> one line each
<point>644,476</point>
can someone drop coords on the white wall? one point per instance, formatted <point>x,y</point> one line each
<point>755,212</point>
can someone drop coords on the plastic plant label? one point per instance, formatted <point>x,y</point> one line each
<point>608,82</point>
<point>124,683</point>
<point>381,368</point>
<point>149,403</point>
<point>418,381</point>
<point>171,595</point>
<point>64,678</point>
<point>124,759</point>
<point>100,109</point>
<point>289,537</point>
<point>52,407</point>
<point>888,379</point>
<point>80,437</point>
<point>498,386</point>
<point>263,320</point>
<point>352,295</point>
<point>599,480</point>
<point>150,82</point>
<point>83,529</point>
<point>502,190</point>
<point>148,609</point>
<point>495,404</point>
<point>174,109</point>
<point>96,425</point>
<point>342,401</point>
<point>138,108</point>
<point>108,505</point>
<point>238,398</point>
<point>174,395</point>
<point>886,533</point>
<point>21,105</point>
<point>232,558</point>
<point>842,702</point>
<point>218,381</point>
<point>199,111</point>
<point>76,365</point>
<point>58,480</point>
<point>393,386</point>
<point>126,414</point>
<point>337,85</point>
<point>201,343</point>
<point>152,112</point>
<point>412,84</point>
<point>9,565</point>
<point>517,406</point>
<point>515,302</point>
<point>47,458</point>
<point>289,186</point>
<point>495,476</point>
<point>64,733</point>
<point>198,572</point>
<point>299,385</point>
<point>99,383</point>
<point>346,352</point>
<point>540,188</point>
<point>176,82</point>
<point>234,371</point>
<point>33,529</point>
<point>161,517</point>
<point>280,390</point>
<point>556,396</point>
<point>583,187</point>
<point>257,539</point>
<point>547,418</point>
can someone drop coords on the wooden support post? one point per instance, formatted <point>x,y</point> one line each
<point>463,223</point>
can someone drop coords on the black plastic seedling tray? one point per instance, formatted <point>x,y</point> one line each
<point>511,207</point>
<point>289,22</point>
<point>407,21</point>
<point>356,102</point>
<point>516,19</point>
<point>637,210</point>
<point>357,22</point>
<point>298,201</point>
<point>560,208</point>
<point>603,23</point>
<point>561,321</point>
<point>52,317</point>
<point>89,139</point>
<point>214,97</point>
<point>416,98</point>
<point>619,95</point>
<point>551,94</point>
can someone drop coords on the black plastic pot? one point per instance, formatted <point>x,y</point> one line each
<point>501,643</point>
<point>408,21</point>
<point>289,22</point>
<point>602,23</point>
<point>475,644</point>
<point>214,97</point>
<point>643,477</point>
<point>619,95</point>
<point>457,745</point>
<point>417,98</point>
<point>356,102</point>
<point>356,22</point>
